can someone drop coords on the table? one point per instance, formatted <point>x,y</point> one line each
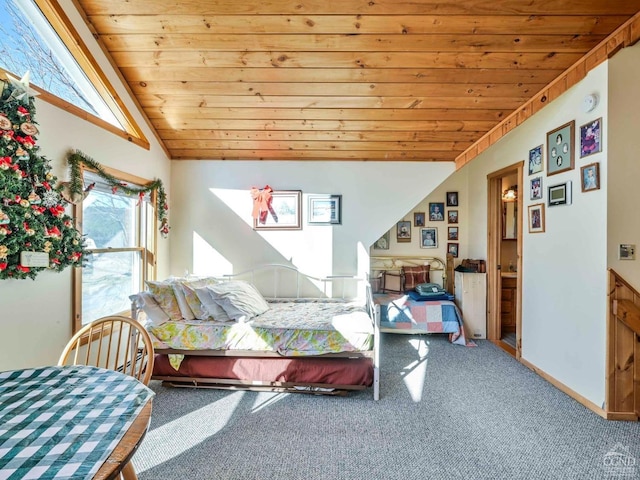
<point>68,422</point>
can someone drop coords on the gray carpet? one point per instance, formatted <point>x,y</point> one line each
<point>446,412</point>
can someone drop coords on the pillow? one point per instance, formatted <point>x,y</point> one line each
<point>212,309</point>
<point>185,310</point>
<point>239,299</point>
<point>192,299</point>
<point>163,294</point>
<point>415,275</point>
<point>391,282</point>
<point>150,307</point>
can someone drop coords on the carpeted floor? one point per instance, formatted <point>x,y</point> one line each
<point>446,412</point>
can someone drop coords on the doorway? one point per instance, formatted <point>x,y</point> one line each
<point>504,258</point>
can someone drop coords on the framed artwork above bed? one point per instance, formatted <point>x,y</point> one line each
<point>285,212</point>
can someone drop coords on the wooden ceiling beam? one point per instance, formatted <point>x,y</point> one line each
<point>354,7</point>
<point>318,155</point>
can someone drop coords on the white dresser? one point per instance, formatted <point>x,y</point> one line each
<point>471,298</point>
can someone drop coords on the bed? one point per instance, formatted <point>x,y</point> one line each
<point>284,331</point>
<point>402,310</point>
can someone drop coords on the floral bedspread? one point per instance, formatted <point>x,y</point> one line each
<point>294,328</point>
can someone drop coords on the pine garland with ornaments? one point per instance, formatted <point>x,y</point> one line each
<point>36,233</point>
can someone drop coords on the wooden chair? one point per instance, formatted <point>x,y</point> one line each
<point>117,343</point>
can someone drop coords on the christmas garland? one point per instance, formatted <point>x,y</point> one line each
<point>76,185</point>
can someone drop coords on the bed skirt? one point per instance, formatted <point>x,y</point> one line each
<point>287,372</point>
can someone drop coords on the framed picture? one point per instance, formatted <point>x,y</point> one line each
<point>590,138</point>
<point>452,199</point>
<point>452,248</point>
<point>452,216</point>
<point>436,212</point>
<point>325,209</point>
<point>536,188</point>
<point>285,212</point>
<point>383,242</point>
<point>590,175</point>
<point>560,194</point>
<point>403,231</point>
<point>418,219</point>
<point>453,233</point>
<point>560,154</point>
<point>535,160</point>
<point>536,218</point>
<point>429,237</point>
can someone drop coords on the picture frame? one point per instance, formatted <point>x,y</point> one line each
<point>535,188</point>
<point>452,199</point>
<point>590,177</point>
<point>452,233</point>
<point>536,163</point>
<point>452,216</point>
<point>285,212</point>
<point>429,237</point>
<point>436,212</point>
<point>418,219</point>
<point>325,210</point>
<point>560,148</point>
<point>452,249</point>
<point>591,138</point>
<point>383,242</point>
<point>536,218</point>
<point>403,231</point>
<point>559,194</point>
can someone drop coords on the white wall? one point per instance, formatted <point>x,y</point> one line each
<point>36,316</point>
<point>457,182</point>
<point>623,194</point>
<point>214,234</point>
<point>564,269</point>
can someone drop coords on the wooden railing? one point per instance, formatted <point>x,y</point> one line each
<point>623,350</point>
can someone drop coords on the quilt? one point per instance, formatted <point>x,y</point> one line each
<point>399,312</point>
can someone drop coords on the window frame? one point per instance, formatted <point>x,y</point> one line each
<point>69,36</point>
<point>147,252</point>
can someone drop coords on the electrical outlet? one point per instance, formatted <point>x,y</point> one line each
<point>626,251</point>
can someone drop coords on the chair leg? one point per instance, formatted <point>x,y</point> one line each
<point>128,472</point>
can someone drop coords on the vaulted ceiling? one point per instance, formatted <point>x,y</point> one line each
<point>421,80</point>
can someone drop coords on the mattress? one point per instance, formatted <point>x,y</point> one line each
<point>292,328</point>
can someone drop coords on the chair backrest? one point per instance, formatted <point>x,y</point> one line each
<point>116,343</point>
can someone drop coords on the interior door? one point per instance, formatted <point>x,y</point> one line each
<point>495,231</point>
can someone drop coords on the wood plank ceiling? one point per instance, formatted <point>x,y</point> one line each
<point>341,80</point>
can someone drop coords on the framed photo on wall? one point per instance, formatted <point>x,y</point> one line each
<point>536,218</point>
<point>536,165</point>
<point>418,219</point>
<point>590,138</point>
<point>436,212</point>
<point>536,188</point>
<point>383,242</point>
<point>285,212</point>
<point>403,231</point>
<point>453,234</point>
<point>429,237</point>
<point>590,175</point>
<point>452,248</point>
<point>559,194</point>
<point>560,148</point>
<point>452,199</point>
<point>325,209</point>
<point>452,216</point>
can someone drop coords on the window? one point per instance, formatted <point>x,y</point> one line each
<point>37,37</point>
<point>120,236</point>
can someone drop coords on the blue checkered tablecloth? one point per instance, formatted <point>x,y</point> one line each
<point>64,422</point>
